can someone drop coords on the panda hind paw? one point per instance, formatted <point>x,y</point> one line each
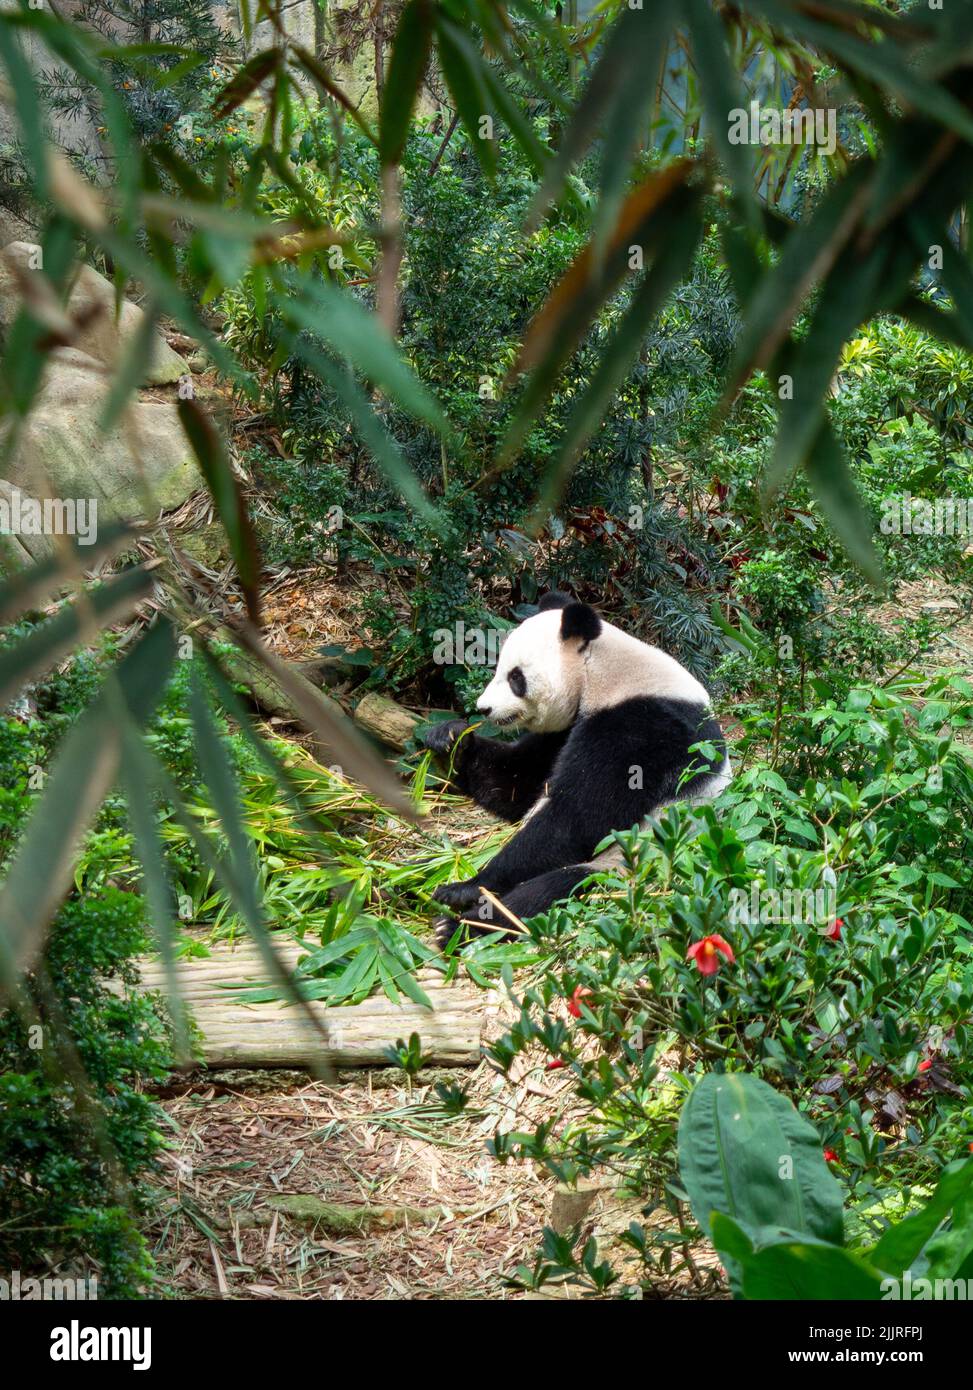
<point>444,929</point>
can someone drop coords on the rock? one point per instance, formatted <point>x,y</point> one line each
<point>62,452</point>
<point>103,336</point>
<point>207,545</point>
<point>22,546</point>
<point>14,226</point>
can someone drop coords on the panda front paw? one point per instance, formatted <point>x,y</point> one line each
<point>458,896</point>
<point>441,737</point>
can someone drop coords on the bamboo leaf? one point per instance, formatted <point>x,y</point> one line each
<point>81,776</point>
<point>722,93</point>
<point>578,296</point>
<point>806,258</point>
<point>830,478</point>
<point>462,70</point>
<point>227,493</point>
<point>882,62</point>
<point>246,80</point>
<point>846,300</point>
<point>328,88</point>
<point>156,888</point>
<point>353,332</point>
<point>28,107</point>
<point>338,737</point>
<point>26,587</point>
<point>403,82</point>
<point>680,230</point>
<point>595,102</point>
<point>370,427</point>
<point>132,371</point>
<point>631,100</point>
<point>281,774</point>
<point>948,327</point>
<point>22,661</point>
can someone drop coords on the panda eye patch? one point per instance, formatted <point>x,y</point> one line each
<point>517,682</point>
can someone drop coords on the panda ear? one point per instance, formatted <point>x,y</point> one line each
<point>578,620</point>
<point>554,599</point>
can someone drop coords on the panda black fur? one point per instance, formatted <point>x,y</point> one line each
<point>602,711</point>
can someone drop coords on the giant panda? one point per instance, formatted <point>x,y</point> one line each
<point>608,724</point>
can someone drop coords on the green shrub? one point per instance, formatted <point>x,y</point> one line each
<point>73,1153</point>
<point>833,897</point>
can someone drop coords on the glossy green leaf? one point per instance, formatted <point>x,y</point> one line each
<point>902,1243</point>
<point>746,1152</point>
<point>797,1270</point>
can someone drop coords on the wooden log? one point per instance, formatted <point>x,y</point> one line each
<point>385,719</point>
<point>277,1034</point>
<point>267,692</point>
<point>342,1220</point>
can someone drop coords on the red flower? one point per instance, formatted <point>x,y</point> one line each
<point>924,1066</point>
<point>574,1003</point>
<point>834,931</point>
<point>556,1065</point>
<point>830,1156</point>
<point>706,954</point>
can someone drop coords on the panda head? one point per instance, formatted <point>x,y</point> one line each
<point>538,681</point>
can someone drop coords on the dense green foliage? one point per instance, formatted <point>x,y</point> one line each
<point>77,1132</point>
<point>838,884</point>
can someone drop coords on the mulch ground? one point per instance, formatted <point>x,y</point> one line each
<point>242,1142</point>
<point>219,1234</point>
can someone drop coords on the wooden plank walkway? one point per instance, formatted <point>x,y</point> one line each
<point>278,1035</point>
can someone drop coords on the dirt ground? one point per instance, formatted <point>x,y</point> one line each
<point>447,1220</point>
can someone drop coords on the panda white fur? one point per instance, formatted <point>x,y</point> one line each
<point>609,723</point>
